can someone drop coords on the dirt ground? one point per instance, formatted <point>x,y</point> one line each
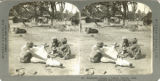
<point>81,44</point>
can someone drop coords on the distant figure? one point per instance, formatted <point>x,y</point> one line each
<point>96,53</point>
<point>91,30</point>
<point>64,49</point>
<point>19,31</point>
<point>26,53</point>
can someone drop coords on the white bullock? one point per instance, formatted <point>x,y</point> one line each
<point>111,55</point>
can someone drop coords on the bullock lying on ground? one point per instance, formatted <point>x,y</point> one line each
<point>37,54</point>
<point>91,30</point>
<point>19,31</point>
<point>111,55</point>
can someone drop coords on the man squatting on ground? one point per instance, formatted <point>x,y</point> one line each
<point>131,48</point>
<point>98,52</point>
<point>27,53</point>
<point>60,48</point>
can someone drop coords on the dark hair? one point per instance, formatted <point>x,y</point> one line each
<point>55,40</point>
<point>64,41</point>
<point>134,40</point>
<point>30,44</point>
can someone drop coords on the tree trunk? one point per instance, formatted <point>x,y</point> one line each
<point>125,9</point>
<point>51,21</point>
<point>53,7</point>
<point>124,22</point>
<point>36,15</point>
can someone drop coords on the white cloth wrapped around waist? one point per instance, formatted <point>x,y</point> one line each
<point>52,62</point>
<point>118,61</point>
<point>122,62</point>
<point>49,61</point>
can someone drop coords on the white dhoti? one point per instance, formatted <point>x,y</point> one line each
<point>122,62</point>
<point>52,62</point>
<point>107,60</point>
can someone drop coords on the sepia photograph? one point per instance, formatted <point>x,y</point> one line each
<point>58,38</point>
<point>43,38</point>
<point>117,39</point>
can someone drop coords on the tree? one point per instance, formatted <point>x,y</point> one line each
<point>36,11</point>
<point>147,19</point>
<point>75,19</point>
<point>21,13</point>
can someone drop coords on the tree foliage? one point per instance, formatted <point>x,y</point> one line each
<point>110,9</point>
<point>40,9</point>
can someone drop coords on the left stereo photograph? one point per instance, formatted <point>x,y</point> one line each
<point>43,38</point>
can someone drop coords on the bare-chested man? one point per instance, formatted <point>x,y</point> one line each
<point>96,53</point>
<point>26,53</point>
